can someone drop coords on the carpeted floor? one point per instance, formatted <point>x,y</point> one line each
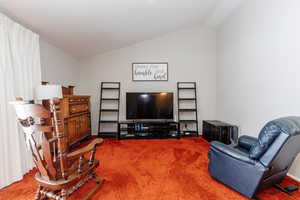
<point>152,170</point>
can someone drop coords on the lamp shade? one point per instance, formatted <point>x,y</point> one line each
<point>48,92</point>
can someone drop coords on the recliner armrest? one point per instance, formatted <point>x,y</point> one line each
<point>247,142</point>
<point>232,152</point>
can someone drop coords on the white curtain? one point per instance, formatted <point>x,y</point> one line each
<point>20,73</point>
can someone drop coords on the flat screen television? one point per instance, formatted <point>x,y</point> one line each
<point>149,105</point>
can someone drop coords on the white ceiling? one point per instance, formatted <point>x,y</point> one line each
<point>88,27</point>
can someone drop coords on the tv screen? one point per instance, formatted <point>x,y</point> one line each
<point>149,105</point>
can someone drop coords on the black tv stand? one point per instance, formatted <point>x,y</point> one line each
<point>148,129</point>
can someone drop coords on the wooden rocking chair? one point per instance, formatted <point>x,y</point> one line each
<point>59,173</point>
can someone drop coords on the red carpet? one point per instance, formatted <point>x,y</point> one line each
<point>152,170</point>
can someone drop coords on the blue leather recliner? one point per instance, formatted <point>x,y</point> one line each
<point>254,164</point>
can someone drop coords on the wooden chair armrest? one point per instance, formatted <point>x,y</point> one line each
<point>88,148</point>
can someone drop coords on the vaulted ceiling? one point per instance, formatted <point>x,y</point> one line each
<point>88,27</point>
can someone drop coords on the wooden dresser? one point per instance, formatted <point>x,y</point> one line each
<point>76,113</point>
<point>77,117</point>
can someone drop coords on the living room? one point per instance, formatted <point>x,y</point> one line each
<point>240,54</point>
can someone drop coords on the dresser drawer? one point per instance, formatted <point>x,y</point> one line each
<point>78,108</point>
<point>78,100</point>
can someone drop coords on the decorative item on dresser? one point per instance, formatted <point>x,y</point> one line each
<point>59,172</point>
<point>76,114</point>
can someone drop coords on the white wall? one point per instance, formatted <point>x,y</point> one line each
<point>191,55</point>
<point>58,67</point>
<point>259,65</point>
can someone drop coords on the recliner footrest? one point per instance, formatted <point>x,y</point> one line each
<point>291,188</point>
<point>288,190</point>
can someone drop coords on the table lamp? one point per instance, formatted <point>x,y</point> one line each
<point>47,92</point>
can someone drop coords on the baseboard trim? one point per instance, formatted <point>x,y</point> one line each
<point>294,177</point>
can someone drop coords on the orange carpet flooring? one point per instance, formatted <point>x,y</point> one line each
<point>152,170</point>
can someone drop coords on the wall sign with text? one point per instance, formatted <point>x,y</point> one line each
<point>150,71</point>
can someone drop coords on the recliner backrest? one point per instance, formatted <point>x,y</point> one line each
<point>284,149</point>
<point>266,137</point>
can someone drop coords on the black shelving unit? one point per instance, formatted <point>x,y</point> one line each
<point>112,86</point>
<point>191,87</point>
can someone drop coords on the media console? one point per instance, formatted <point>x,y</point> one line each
<point>148,129</point>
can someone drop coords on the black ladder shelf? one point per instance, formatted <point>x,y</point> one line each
<point>191,87</point>
<point>109,86</point>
